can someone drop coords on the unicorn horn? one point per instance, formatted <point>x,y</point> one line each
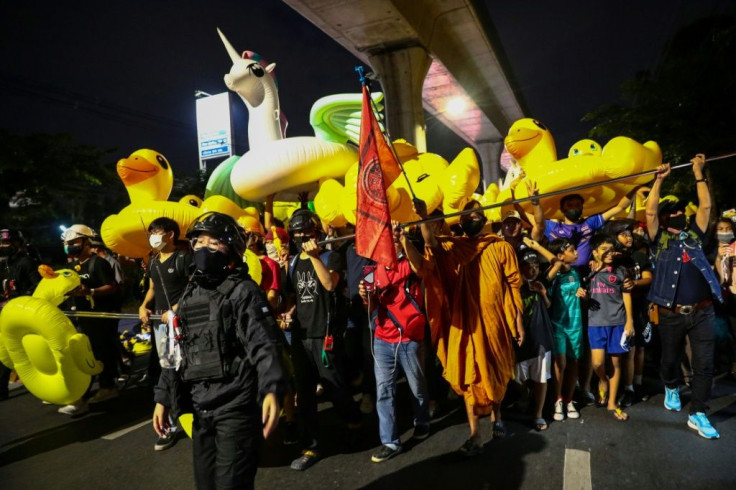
<point>234,56</point>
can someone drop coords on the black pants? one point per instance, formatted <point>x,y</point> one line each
<point>103,336</point>
<point>225,450</point>
<point>310,370</point>
<point>699,326</point>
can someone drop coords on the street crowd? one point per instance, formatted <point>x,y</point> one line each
<point>550,314</point>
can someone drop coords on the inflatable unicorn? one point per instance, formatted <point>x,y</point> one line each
<point>275,164</point>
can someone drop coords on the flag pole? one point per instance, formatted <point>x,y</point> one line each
<point>387,136</point>
<point>540,196</point>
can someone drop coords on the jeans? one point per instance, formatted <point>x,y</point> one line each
<point>389,357</point>
<point>699,326</point>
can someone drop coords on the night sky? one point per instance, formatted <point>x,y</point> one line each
<point>123,74</point>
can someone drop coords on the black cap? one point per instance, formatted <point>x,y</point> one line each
<point>670,206</point>
<point>11,235</point>
<point>222,227</point>
<point>614,227</point>
<point>528,256</point>
<point>303,220</point>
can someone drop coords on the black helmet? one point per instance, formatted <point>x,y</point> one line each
<point>11,235</point>
<point>614,227</point>
<point>303,220</point>
<point>222,227</point>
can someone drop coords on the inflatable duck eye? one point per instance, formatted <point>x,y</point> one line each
<point>257,70</point>
<point>541,126</point>
<point>66,274</point>
<point>576,152</point>
<point>162,161</point>
<point>593,147</point>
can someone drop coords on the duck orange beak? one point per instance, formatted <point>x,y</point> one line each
<point>135,169</point>
<point>47,272</point>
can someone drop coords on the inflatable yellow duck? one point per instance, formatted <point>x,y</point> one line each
<point>54,362</point>
<point>148,179</point>
<point>586,163</point>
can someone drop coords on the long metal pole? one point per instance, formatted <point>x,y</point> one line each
<point>540,196</point>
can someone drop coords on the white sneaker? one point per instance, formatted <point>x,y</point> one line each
<point>104,394</point>
<point>75,409</point>
<point>559,414</point>
<point>572,412</point>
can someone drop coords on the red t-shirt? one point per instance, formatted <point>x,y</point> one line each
<point>393,300</point>
<point>270,274</point>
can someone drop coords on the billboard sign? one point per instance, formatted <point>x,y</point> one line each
<point>214,130</point>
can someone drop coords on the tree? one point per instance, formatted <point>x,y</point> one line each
<point>687,105</point>
<point>47,180</point>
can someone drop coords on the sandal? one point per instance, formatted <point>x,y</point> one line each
<point>499,430</point>
<point>603,400</point>
<point>540,425</point>
<point>470,448</point>
<point>619,414</point>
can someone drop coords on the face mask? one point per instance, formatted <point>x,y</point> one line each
<point>573,214</point>
<point>7,251</point>
<point>472,228</point>
<point>725,237</point>
<point>272,252</point>
<point>211,265</point>
<point>157,242</point>
<point>72,250</point>
<point>677,222</point>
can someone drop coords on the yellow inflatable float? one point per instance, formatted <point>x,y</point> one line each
<point>532,145</point>
<point>432,179</point>
<point>54,362</point>
<point>148,179</point>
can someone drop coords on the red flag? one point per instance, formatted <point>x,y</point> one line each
<point>378,169</point>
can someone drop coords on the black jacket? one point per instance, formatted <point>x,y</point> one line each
<point>259,373</point>
<point>19,276</point>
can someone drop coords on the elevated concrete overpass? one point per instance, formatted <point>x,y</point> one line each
<point>427,53</point>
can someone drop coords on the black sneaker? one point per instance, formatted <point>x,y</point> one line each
<point>166,441</point>
<point>627,398</point>
<point>306,460</point>
<point>384,453</point>
<point>291,433</point>
<point>642,393</point>
<point>421,432</point>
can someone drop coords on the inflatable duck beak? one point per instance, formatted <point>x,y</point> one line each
<point>135,169</point>
<point>234,56</point>
<point>522,141</point>
<point>47,272</point>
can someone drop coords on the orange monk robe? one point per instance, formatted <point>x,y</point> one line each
<point>472,296</point>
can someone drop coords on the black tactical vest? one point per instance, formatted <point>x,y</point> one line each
<point>210,349</point>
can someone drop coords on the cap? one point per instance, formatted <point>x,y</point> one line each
<point>528,256</point>
<point>511,214</point>
<point>670,206</point>
<point>280,233</point>
<point>77,231</point>
<point>614,227</point>
<point>96,241</point>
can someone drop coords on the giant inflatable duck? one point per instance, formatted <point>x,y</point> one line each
<point>531,143</point>
<point>148,179</point>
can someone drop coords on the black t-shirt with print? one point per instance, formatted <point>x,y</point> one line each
<point>95,273</point>
<point>169,277</point>
<point>314,304</point>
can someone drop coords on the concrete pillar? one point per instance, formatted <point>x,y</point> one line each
<point>490,153</point>
<point>402,73</point>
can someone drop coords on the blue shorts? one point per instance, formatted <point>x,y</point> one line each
<point>607,338</point>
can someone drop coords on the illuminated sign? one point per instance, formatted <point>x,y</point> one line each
<point>213,126</point>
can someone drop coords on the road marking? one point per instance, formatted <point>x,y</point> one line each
<point>577,470</point>
<point>122,432</point>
